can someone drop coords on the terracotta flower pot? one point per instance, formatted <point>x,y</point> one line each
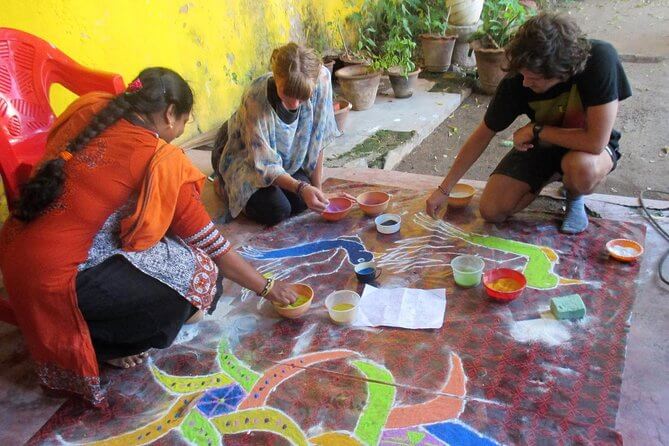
<point>341,109</point>
<point>489,64</point>
<point>403,86</point>
<point>437,51</point>
<point>359,85</point>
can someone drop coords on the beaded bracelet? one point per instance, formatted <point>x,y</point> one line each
<point>442,190</point>
<point>300,188</point>
<point>268,287</point>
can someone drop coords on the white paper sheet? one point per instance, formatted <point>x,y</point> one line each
<point>401,307</point>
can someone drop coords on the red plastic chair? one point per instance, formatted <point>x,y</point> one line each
<point>28,67</point>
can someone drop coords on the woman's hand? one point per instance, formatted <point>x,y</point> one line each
<point>435,203</point>
<point>314,198</point>
<point>282,293</point>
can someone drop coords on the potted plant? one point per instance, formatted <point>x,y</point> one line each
<point>359,84</point>
<point>376,22</point>
<point>350,57</point>
<point>436,45</point>
<point>341,109</point>
<point>397,61</point>
<point>500,20</point>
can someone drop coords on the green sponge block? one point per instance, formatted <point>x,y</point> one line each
<point>570,306</point>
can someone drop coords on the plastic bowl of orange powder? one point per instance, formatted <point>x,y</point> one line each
<point>504,284</point>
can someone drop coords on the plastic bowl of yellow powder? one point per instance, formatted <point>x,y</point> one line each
<point>342,306</point>
<point>504,284</point>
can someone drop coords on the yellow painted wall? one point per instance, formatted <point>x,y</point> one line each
<point>218,46</point>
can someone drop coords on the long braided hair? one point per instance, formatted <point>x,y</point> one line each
<point>160,87</point>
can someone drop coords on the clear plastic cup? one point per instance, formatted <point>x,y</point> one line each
<point>467,270</point>
<point>342,306</point>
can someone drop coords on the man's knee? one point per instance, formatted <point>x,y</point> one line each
<point>580,173</point>
<point>491,211</point>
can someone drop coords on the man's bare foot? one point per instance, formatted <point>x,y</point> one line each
<point>197,317</point>
<point>128,361</point>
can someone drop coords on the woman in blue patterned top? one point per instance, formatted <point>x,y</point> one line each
<point>269,155</point>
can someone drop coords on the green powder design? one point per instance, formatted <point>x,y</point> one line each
<point>415,437</point>
<point>380,398</point>
<point>199,431</point>
<point>232,366</point>
<point>539,269</point>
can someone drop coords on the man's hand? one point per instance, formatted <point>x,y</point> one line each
<point>523,138</point>
<point>314,198</point>
<point>435,203</point>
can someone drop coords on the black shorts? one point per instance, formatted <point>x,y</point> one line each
<point>539,165</point>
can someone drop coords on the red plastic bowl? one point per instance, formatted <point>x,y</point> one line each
<point>338,208</point>
<point>489,277</point>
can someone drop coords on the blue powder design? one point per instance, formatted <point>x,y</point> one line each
<point>355,250</point>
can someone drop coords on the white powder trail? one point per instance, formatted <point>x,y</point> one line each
<point>550,332</point>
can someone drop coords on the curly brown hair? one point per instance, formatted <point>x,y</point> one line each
<point>549,44</point>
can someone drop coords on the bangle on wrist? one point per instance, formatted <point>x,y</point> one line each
<point>268,287</point>
<point>442,190</point>
<point>300,187</point>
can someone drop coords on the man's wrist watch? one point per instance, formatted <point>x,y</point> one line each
<point>536,129</point>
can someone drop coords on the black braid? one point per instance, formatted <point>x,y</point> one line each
<point>115,110</point>
<point>161,87</point>
<point>46,185</point>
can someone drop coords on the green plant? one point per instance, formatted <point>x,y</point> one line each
<point>397,52</point>
<point>379,21</point>
<point>434,20</point>
<point>501,19</point>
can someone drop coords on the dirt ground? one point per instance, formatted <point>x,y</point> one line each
<point>639,29</point>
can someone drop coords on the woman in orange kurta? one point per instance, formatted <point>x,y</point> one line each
<point>110,250</point>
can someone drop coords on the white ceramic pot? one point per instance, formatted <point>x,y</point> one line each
<point>464,12</point>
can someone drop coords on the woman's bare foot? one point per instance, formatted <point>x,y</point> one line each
<point>197,317</point>
<point>128,361</point>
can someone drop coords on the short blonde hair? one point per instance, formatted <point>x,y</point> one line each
<point>296,68</point>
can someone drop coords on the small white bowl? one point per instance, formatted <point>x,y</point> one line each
<point>388,228</point>
<point>342,297</point>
